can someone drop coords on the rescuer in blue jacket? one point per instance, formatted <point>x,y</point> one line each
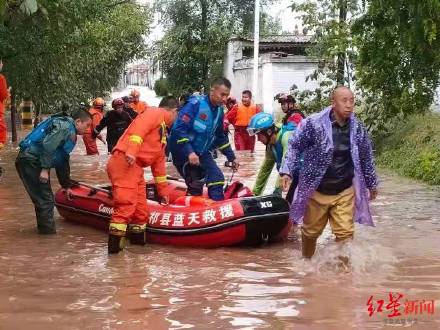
<point>197,132</point>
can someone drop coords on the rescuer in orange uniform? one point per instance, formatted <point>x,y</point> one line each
<point>97,113</point>
<point>143,144</point>
<point>137,105</point>
<point>240,116</point>
<point>4,93</point>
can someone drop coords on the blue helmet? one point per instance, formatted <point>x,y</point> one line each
<point>260,122</point>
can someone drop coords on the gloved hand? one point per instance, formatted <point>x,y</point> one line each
<point>73,183</point>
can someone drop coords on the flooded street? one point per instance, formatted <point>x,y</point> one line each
<point>68,281</point>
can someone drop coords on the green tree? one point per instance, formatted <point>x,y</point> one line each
<point>192,50</point>
<point>330,23</point>
<point>69,51</point>
<point>399,58</point>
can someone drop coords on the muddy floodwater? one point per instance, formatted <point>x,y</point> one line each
<point>68,281</point>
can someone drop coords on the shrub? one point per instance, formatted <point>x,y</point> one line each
<point>161,87</point>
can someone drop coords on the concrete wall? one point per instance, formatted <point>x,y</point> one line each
<point>276,75</point>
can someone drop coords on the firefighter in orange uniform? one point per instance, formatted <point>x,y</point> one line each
<point>240,116</point>
<point>138,105</point>
<point>97,113</point>
<point>143,144</point>
<point>4,94</point>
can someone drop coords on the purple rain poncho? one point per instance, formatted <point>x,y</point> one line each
<point>314,140</point>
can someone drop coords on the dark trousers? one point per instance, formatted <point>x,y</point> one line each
<point>293,185</point>
<point>41,194</point>
<point>207,173</point>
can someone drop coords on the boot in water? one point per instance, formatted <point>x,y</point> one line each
<point>137,235</point>
<point>116,237</point>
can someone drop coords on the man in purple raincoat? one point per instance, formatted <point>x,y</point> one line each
<point>338,175</point>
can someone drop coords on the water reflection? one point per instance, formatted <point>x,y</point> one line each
<point>68,281</point>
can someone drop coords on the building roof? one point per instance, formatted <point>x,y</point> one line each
<point>279,39</point>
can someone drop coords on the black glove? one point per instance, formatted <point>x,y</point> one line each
<point>73,183</point>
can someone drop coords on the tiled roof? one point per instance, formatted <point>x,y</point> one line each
<point>289,38</point>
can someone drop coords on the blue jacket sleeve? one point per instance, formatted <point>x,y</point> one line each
<point>222,140</point>
<point>183,125</point>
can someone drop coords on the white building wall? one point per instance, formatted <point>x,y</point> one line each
<point>275,76</point>
<point>295,73</point>
<point>241,80</point>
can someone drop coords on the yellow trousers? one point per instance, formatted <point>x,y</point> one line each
<point>338,209</point>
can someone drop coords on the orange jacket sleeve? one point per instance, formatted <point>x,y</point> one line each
<point>160,176</point>
<point>96,119</point>
<point>139,129</point>
<point>3,88</point>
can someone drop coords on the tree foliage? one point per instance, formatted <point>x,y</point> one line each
<point>69,51</point>
<point>329,22</point>
<point>399,58</point>
<point>193,48</point>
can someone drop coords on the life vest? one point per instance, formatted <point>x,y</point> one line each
<point>277,148</point>
<point>204,127</point>
<point>244,114</point>
<point>34,140</point>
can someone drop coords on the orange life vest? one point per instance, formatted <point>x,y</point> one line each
<point>244,114</point>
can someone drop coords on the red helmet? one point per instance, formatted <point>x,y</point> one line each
<point>98,102</point>
<point>117,103</point>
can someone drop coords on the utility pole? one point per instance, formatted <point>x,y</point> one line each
<point>342,56</point>
<point>256,47</point>
<point>13,118</point>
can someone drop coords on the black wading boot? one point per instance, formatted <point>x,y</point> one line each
<point>136,234</point>
<point>116,237</point>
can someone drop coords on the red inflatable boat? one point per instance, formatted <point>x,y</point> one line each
<point>187,221</point>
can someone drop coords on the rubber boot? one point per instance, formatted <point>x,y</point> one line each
<point>137,235</point>
<point>115,243</point>
<point>116,237</point>
<point>308,246</point>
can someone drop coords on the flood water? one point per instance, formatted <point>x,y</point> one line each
<point>68,281</point>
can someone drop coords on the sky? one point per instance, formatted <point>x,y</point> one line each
<point>278,9</point>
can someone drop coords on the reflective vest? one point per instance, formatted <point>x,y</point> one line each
<point>33,142</point>
<point>204,127</point>
<point>277,148</point>
<point>244,114</point>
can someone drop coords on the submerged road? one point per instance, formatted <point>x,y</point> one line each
<point>68,281</point>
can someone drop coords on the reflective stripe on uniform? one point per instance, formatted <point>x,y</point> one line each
<point>136,139</point>
<point>118,226</point>
<point>224,146</point>
<point>182,140</point>
<point>217,183</point>
<point>163,133</point>
<point>160,179</point>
